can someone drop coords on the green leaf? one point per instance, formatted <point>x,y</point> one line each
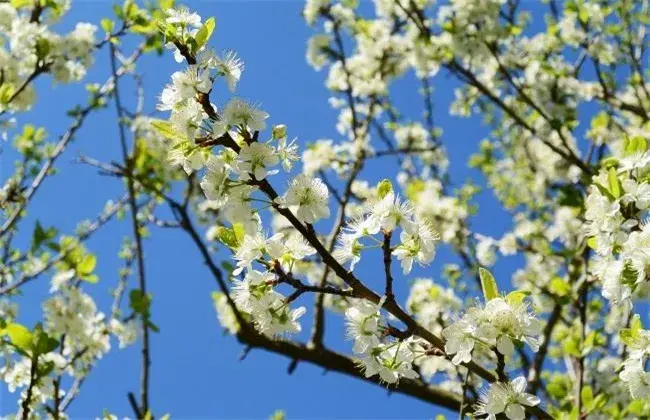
<point>556,390</point>
<point>153,327</point>
<point>43,48</point>
<point>631,335</point>
<point>583,14</point>
<point>489,285</point>
<point>44,368</point>
<point>6,92</point>
<point>587,395</point>
<point>614,183</point>
<point>571,347</point>
<point>599,402</point>
<point>130,10</point>
<point>17,4</point>
<point>592,242</point>
<point>166,129</point>
<point>588,344</point>
<point>228,267</point>
<point>559,287</point>
<point>384,188</point>
<point>600,120</point>
<point>139,302</point>
<point>43,343</point>
<point>636,324</point>
<point>143,29</point>
<point>87,264</point>
<point>637,407</point>
<point>227,237</point>
<point>19,335</point>
<point>634,145</point>
<point>516,297</point>
<point>92,278</point>
<point>204,34</point>
<point>629,275</point>
<point>610,162</point>
<point>166,4</point>
<point>240,232</point>
<point>627,336</point>
<point>41,235</point>
<point>231,237</point>
<point>107,25</point>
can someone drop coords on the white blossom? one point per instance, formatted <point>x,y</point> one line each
<point>508,398</point>
<point>309,196</point>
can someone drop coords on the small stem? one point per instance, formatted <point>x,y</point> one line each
<point>501,367</point>
<point>30,388</point>
<point>387,262</point>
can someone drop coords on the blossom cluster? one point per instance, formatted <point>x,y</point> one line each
<point>499,324</point>
<point>615,210</point>
<point>31,47</point>
<point>633,374</point>
<point>232,176</point>
<point>386,213</point>
<point>390,359</point>
<point>578,213</point>
<point>533,161</point>
<point>72,317</point>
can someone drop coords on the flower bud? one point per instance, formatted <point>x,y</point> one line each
<point>384,188</point>
<point>279,131</point>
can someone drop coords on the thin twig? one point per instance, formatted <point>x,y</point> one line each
<point>139,251</point>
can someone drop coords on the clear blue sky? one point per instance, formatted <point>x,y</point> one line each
<point>195,370</point>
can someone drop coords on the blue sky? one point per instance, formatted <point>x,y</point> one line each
<point>195,370</point>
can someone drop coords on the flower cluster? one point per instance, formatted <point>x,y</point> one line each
<point>269,309</point>
<point>615,209</point>
<point>391,360</point>
<point>578,213</point>
<point>499,324</point>
<point>386,213</point>
<point>432,304</point>
<point>74,314</point>
<point>234,175</point>
<point>82,334</point>
<point>30,48</point>
<point>633,373</point>
<point>255,295</point>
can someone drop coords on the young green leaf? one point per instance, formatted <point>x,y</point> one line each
<point>203,35</point>
<point>167,130</point>
<point>516,297</point>
<point>384,188</point>
<point>489,285</point>
<point>87,264</point>
<point>107,25</point>
<point>43,343</point>
<point>614,183</point>
<point>19,335</point>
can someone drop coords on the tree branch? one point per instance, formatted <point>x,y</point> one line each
<point>139,251</point>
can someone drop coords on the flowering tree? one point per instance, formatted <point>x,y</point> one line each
<point>563,339</point>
